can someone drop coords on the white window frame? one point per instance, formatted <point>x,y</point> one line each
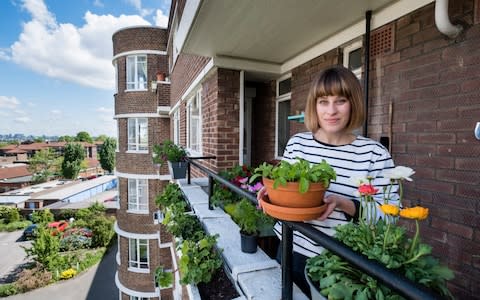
<point>355,45</point>
<point>176,127</point>
<point>136,265</point>
<point>135,83</point>
<point>136,202</point>
<point>280,98</point>
<point>135,145</point>
<point>198,98</point>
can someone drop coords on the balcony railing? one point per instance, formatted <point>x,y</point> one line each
<point>391,279</point>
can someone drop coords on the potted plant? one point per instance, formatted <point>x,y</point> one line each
<point>163,278</point>
<point>295,190</point>
<point>175,155</point>
<point>383,240</point>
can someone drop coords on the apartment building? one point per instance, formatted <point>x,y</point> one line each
<point>239,76</point>
<point>240,73</point>
<point>141,111</point>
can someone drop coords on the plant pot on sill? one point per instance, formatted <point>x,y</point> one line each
<point>160,76</point>
<point>289,195</point>
<point>248,243</point>
<point>178,170</point>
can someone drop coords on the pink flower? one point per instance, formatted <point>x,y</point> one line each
<point>255,188</point>
<point>367,190</point>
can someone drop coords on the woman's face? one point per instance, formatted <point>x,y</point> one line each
<point>333,113</point>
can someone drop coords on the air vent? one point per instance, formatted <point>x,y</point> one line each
<point>382,41</point>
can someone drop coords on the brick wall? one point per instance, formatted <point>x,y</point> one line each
<point>433,84</point>
<point>139,37</point>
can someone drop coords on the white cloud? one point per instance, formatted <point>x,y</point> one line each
<point>19,112</point>
<point>161,20</point>
<point>105,110</point>
<point>98,3</point>
<point>23,119</point>
<point>8,102</point>
<point>138,6</point>
<point>55,112</point>
<point>31,104</point>
<point>4,54</point>
<point>81,55</point>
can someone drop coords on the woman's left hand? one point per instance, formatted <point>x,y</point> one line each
<point>336,201</point>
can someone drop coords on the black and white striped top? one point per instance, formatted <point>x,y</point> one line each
<point>359,159</point>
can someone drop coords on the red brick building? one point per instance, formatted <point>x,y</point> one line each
<point>239,71</point>
<point>141,111</point>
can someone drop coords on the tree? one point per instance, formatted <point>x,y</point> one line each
<point>66,138</point>
<point>107,154</point>
<point>73,156</point>
<point>83,136</point>
<point>42,216</point>
<point>43,165</point>
<point>101,138</point>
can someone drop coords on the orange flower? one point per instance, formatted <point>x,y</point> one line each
<point>389,209</point>
<point>367,190</point>
<point>417,213</point>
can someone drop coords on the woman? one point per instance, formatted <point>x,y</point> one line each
<point>335,108</point>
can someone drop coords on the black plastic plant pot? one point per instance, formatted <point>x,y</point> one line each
<point>178,170</point>
<point>248,243</point>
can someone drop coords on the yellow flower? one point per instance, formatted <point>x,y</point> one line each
<point>417,213</point>
<point>68,273</point>
<point>389,209</point>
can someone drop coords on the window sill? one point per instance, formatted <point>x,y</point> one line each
<point>137,151</point>
<point>139,90</point>
<point>194,153</point>
<point>137,212</point>
<point>138,270</point>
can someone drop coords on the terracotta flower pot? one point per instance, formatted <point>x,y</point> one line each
<point>291,213</point>
<point>289,195</point>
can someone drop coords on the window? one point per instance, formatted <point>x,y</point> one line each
<point>352,58</point>
<point>138,194</point>
<point>194,133</point>
<point>137,72</point>
<point>138,253</point>
<point>282,109</point>
<point>137,134</point>
<point>176,127</point>
<point>138,298</point>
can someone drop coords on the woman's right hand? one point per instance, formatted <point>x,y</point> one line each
<point>261,193</point>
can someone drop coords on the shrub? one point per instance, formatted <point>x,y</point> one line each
<point>75,242</point>
<point>17,225</point>
<point>102,229</point>
<point>9,214</point>
<point>44,248</point>
<point>42,216</point>
<point>30,279</point>
<point>8,289</point>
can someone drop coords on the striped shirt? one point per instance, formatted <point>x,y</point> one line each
<point>359,159</point>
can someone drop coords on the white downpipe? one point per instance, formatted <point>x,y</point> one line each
<point>443,22</point>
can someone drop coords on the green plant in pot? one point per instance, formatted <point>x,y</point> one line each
<point>163,278</point>
<point>174,155</point>
<point>251,222</point>
<point>295,190</point>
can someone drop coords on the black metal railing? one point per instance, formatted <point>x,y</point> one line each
<point>391,279</point>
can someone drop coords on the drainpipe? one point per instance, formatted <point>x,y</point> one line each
<point>368,18</point>
<point>442,20</point>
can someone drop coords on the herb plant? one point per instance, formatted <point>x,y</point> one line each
<point>199,260</point>
<point>182,225</point>
<point>301,171</point>
<point>251,220</point>
<point>171,194</point>
<point>168,151</point>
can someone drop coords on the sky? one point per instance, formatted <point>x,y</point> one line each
<point>56,72</point>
